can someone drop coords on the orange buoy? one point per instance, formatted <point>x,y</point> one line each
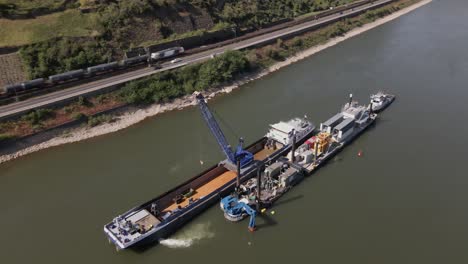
<point>360,153</point>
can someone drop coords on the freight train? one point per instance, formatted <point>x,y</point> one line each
<point>89,72</point>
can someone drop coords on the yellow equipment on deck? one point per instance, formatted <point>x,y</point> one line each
<point>322,141</point>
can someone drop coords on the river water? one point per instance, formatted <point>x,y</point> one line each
<point>403,201</point>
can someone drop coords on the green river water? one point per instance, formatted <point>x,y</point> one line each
<point>403,201</point>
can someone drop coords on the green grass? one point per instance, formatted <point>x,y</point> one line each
<point>199,32</point>
<point>26,6</point>
<point>97,120</point>
<point>5,137</point>
<point>27,31</point>
<point>307,15</point>
<point>338,4</point>
<point>34,4</point>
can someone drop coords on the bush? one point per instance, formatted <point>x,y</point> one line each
<point>166,86</point>
<point>97,120</point>
<point>69,109</point>
<point>280,44</point>
<point>83,101</point>
<point>37,116</point>
<point>5,137</point>
<point>338,30</point>
<point>248,13</point>
<point>101,99</point>
<point>62,55</point>
<point>297,42</point>
<point>79,116</point>
<point>274,54</point>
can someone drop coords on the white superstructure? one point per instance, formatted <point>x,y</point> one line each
<point>380,100</point>
<point>282,132</point>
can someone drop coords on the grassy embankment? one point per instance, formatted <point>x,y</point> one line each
<point>69,23</point>
<point>30,21</point>
<point>30,7</point>
<point>169,85</point>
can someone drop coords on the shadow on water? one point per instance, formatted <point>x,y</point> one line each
<point>268,221</point>
<point>286,201</point>
<point>143,248</point>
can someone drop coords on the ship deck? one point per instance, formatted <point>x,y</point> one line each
<point>147,221</point>
<point>205,189</point>
<point>219,181</point>
<point>265,152</point>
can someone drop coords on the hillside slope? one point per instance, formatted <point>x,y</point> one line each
<point>103,29</point>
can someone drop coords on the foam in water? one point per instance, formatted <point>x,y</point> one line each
<point>188,236</point>
<point>176,243</point>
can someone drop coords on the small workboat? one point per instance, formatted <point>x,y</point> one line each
<point>380,101</point>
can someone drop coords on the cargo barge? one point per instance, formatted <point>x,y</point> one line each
<point>165,214</point>
<point>275,178</point>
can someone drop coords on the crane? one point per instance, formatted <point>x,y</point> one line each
<point>240,154</point>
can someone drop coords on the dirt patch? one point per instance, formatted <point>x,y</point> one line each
<point>96,105</point>
<point>147,29</point>
<point>22,127</point>
<point>11,69</point>
<point>183,18</point>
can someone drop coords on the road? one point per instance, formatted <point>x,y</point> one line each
<point>46,100</point>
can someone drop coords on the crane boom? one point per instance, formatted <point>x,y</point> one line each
<point>245,157</point>
<point>214,128</point>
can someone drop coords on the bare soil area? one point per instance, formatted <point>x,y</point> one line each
<point>11,69</point>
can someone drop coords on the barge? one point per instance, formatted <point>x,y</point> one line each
<point>163,215</point>
<point>277,177</point>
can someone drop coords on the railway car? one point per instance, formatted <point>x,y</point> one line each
<point>101,68</point>
<point>134,60</point>
<point>12,88</point>
<point>36,83</point>
<point>167,53</point>
<point>66,76</point>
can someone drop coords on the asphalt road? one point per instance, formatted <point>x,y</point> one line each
<point>87,88</point>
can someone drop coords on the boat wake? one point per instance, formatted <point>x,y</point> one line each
<point>188,237</point>
<point>176,243</point>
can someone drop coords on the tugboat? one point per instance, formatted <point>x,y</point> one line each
<point>380,101</point>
